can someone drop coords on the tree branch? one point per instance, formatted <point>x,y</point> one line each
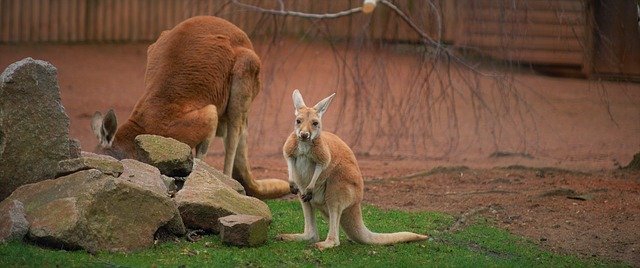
<point>284,12</point>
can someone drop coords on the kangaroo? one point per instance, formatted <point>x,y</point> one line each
<point>200,80</point>
<point>323,169</point>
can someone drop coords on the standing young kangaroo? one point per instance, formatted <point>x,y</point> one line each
<point>200,80</point>
<point>325,170</point>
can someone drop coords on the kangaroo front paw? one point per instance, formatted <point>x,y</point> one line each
<point>293,188</point>
<point>306,197</point>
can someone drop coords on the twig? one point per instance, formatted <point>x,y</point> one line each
<point>284,12</point>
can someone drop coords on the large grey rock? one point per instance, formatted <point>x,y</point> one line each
<point>243,230</point>
<point>106,164</point>
<point>145,175</point>
<point>96,212</point>
<point>234,184</point>
<point>204,199</point>
<point>170,156</point>
<point>34,129</point>
<point>13,223</point>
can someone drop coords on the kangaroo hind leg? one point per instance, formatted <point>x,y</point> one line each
<point>195,128</point>
<point>310,227</point>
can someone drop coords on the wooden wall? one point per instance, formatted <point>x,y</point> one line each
<point>534,31</point>
<point>143,20</point>
<point>575,33</point>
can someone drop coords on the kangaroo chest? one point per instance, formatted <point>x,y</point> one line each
<point>304,164</point>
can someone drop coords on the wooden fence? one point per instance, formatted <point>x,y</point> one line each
<point>143,20</point>
<point>577,33</point>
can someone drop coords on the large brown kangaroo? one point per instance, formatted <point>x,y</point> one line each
<point>201,78</point>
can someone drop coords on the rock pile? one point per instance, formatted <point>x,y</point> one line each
<point>95,202</point>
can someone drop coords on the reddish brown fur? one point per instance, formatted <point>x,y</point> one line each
<point>201,78</point>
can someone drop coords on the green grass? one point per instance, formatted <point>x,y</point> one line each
<point>477,245</point>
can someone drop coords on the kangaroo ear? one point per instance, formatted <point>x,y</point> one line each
<point>96,124</point>
<point>104,127</point>
<point>298,102</point>
<point>322,105</point>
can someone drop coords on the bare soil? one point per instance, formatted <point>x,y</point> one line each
<point>566,193</point>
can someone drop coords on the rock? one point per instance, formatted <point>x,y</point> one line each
<point>75,150</point>
<point>106,164</point>
<point>582,197</point>
<point>13,224</point>
<point>96,212</point>
<point>234,184</point>
<point>170,183</point>
<point>34,128</point>
<point>145,175</point>
<point>243,230</point>
<point>170,156</point>
<point>204,199</point>
<point>635,162</point>
<point>559,192</point>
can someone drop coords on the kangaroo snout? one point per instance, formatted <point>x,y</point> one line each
<point>304,135</point>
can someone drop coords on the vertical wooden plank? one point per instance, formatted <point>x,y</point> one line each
<point>25,21</point>
<point>89,16</point>
<point>118,10</point>
<point>162,6</point>
<point>147,19</point>
<point>155,13</point>
<point>108,23</point>
<point>126,20</point>
<point>5,12</point>
<point>135,20</point>
<point>82,20</point>
<point>51,23</point>
<point>15,22</point>
<point>144,13</point>
<point>65,20</point>
<point>100,19</point>
<point>177,13</point>
<point>54,24</point>
<point>73,20</point>
<point>44,20</point>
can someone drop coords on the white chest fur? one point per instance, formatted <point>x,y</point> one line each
<point>304,166</point>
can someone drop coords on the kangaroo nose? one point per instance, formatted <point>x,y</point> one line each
<point>304,135</point>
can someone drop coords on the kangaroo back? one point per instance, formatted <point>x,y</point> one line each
<point>200,80</point>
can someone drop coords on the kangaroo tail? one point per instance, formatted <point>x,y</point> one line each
<point>261,189</point>
<point>269,189</point>
<point>355,229</point>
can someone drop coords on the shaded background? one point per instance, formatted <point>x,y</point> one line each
<point>500,82</point>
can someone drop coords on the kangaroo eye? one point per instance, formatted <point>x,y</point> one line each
<point>315,123</point>
<point>298,121</point>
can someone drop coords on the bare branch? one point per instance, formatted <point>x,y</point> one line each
<point>283,12</point>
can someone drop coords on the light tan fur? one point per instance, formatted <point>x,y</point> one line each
<point>200,80</point>
<point>326,172</point>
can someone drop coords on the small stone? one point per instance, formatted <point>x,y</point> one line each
<point>145,175</point>
<point>583,197</point>
<point>243,230</point>
<point>13,223</point>
<point>106,164</point>
<point>234,184</point>
<point>171,157</point>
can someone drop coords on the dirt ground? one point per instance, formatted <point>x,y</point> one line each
<point>565,191</point>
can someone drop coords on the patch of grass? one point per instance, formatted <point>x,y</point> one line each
<point>478,245</point>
